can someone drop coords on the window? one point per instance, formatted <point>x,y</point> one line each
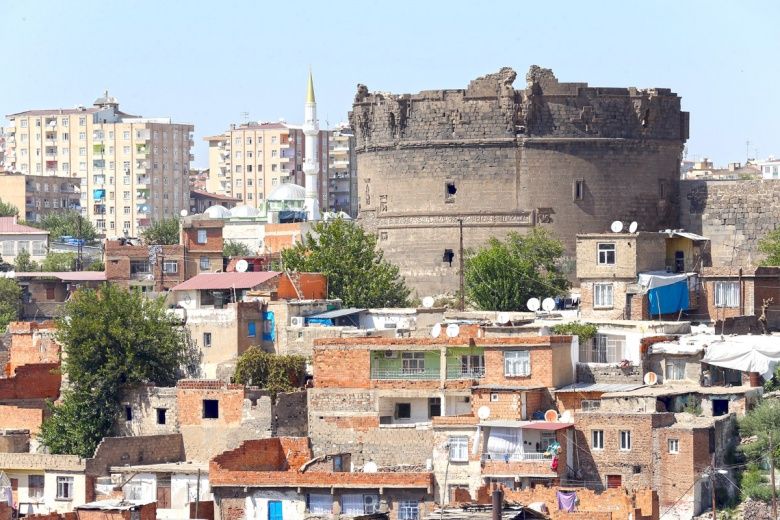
<point>35,487</point>
<point>128,412</point>
<point>408,510</point>
<point>459,449</point>
<point>606,253</point>
<point>448,256</point>
<point>727,294</point>
<point>579,189</point>
<point>589,405</point>
<point>38,248</point>
<point>403,411</point>
<point>625,440</point>
<point>207,339</point>
<point>603,349</point>
<point>210,409</point>
<point>603,295</point>
<point>170,267</point>
<point>674,445</point>
<point>205,263</point>
<point>320,504</point>
<point>139,266</point>
<point>597,439</point>
<point>413,362</point>
<point>472,366</point>
<point>202,236</point>
<point>64,488</point>
<point>8,248</point>
<point>358,504</point>
<point>161,415</point>
<point>251,329</point>
<point>517,363</point>
<point>340,462</point>
<point>675,369</point>
<point>126,210</point>
<point>449,192</point>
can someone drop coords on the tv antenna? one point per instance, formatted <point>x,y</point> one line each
<point>245,116</point>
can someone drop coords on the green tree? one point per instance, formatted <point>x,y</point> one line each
<point>96,265</point>
<point>356,270</point>
<point>58,262</point>
<point>69,223</point>
<point>770,246</point>
<point>503,275</point>
<point>231,248</point>
<point>270,372</point>
<point>24,262</point>
<point>10,302</point>
<point>8,210</point>
<point>111,338</point>
<point>163,232</point>
<point>584,331</point>
<point>762,423</point>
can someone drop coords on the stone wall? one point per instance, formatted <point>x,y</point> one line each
<point>605,373</point>
<point>564,156</point>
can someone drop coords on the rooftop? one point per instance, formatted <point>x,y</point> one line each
<point>168,467</point>
<point>114,505</point>
<point>681,389</point>
<point>66,276</point>
<point>9,225</point>
<point>233,280</point>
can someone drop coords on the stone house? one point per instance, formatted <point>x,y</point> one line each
<point>729,292</point>
<point>45,293</point>
<point>282,478</point>
<point>15,238</point>
<point>202,239</point>
<point>149,268</point>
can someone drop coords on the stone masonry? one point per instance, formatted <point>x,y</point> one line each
<point>563,156</point>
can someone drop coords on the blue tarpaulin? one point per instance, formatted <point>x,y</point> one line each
<point>269,328</point>
<point>668,299</point>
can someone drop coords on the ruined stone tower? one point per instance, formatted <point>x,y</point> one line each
<point>564,156</point>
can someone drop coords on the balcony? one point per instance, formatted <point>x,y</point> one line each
<point>405,374</point>
<point>142,180</point>
<point>517,456</point>
<point>141,150</point>
<point>464,373</point>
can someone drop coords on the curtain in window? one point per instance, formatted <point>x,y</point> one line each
<point>727,294</point>
<point>320,504</point>
<point>352,504</point>
<point>503,440</point>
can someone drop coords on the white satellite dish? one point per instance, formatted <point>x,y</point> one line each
<point>370,467</point>
<point>616,226</point>
<point>242,265</point>
<point>651,378</point>
<point>483,413</point>
<point>436,330</point>
<point>533,304</point>
<point>428,302</point>
<point>567,417</point>
<point>502,318</point>
<point>548,304</point>
<point>633,227</point>
<point>183,213</point>
<point>453,330</point>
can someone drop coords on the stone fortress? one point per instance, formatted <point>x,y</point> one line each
<point>564,156</point>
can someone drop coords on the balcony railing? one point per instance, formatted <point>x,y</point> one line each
<point>404,373</point>
<point>518,456</point>
<point>465,373</point>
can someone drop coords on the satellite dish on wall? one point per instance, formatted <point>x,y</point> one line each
<point>551,416</point>
<point>651,378</point>
<point>242,265</point>
<point>370,467</point>
<point>428,302</point>
<point>483,413</point>
<point>548,304</point>
<point>616,226</point>
<point>502,318</point>
<point>436,330</point>
<point>183,213</point>
<point>533,304</point>
<point>453,330</point>
<point>633,227</point>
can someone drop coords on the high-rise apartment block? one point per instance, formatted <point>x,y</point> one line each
<point>341,187</point>
<point>36,196</point>
<point>132,170</point>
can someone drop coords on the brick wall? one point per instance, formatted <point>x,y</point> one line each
<point>14,441</point>
<point>118,257</point>
<point>610,504</point>
<point>23,417</point>
<point>337,368</point>
<point>32,343</point>
<point>148,449</point>
<point>508,404</point>
<point>41,381</point>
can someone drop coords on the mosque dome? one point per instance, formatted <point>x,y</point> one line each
<point>217,211</point>
<point>244,211</point>
<point>287,191</point>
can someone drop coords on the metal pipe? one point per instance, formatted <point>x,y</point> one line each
<point>498,500</point>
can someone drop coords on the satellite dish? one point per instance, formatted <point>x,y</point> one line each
<point>436,330</point>
<point>502,318</point>
<point>183,213</point>
<point>651,378</point>
<point>551,416</point>
<point>483,413</point>
<point>533,304</point>
<point>548,304</point>
<point>428,302</point>
<point>370,467</point>
<point>453,330</point>
<point>616,226</point>
<point>242,265</point>
<point>566,416</point>
<point>632,227</point>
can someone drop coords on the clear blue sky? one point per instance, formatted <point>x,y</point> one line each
<point>207,62</point>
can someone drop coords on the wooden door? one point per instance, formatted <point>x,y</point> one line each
<point>614,481</point>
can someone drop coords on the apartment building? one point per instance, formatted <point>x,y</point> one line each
<point>341,185</point>
<point>37,196</point>
<point>131,170</point>
<point>249,160</point>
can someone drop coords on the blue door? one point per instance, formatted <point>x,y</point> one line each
<point>275,510</point>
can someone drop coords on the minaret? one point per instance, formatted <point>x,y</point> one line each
<point>311,162</point>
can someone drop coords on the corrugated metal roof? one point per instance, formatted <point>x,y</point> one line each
<point>599,387</point>
<point>338,313</point>
<point>9,225</point>
<point>67,276</point>
<point>689,235</point>
<point>235,280</point>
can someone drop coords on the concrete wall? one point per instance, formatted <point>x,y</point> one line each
<point>144,402</point>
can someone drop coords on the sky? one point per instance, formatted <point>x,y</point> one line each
<point>208,63</point>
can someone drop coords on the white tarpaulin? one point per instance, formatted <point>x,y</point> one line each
<point>745,353</point>
<point>655,279</point>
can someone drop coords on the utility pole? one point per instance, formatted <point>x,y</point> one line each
<point>462,274</point>
<point>774,490</point>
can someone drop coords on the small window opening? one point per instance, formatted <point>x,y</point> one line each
<point>448,256</point>
<point>210,409</point>
<point>128,413</point>
<point>161,415</point>
<point>449,191</point>
<point>579,189</point>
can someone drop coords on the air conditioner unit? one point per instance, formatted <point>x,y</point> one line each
<point>297,321</point>
<point>391,354</point>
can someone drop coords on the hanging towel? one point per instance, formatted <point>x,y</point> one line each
<point>566,500</point>
<point>554,464</point>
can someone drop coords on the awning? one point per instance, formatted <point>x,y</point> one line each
<point>745,353</point>
<point>547,426</point>
<point>338,313</point>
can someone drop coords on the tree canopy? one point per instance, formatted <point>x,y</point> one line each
<point>24,262</point>
<point>232,248</point>
<point>111,338</point>
<point>770,246</point>
<point>58,262</point>
<point>275,373</point>
<point>68,223</point>
<point>356,270</point>
<point>163,232</point>
<point>503,275</point>
<point>10,302</point>
<point>8,210</point>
